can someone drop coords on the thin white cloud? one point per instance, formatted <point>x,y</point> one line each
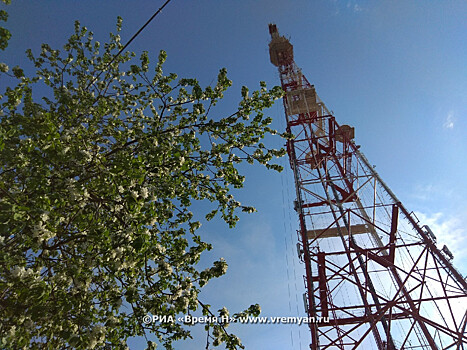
<point>449,121</point>
<point>423,192</point>
<point>450,231</point>
<point>350,5</point>
<point>357,8</point>
<point>430,193</point>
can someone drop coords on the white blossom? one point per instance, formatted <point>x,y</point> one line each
<point>179,294</point>
<point>18,271</point>
<point>87,155</point>
<point>165,267</point>
<point>118,252</point>
<point>185,302</point>
<point>4,68</point>
<point>37,230</point>
<point>160,248</point>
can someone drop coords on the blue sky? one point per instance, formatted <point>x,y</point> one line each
<point>395,70</point>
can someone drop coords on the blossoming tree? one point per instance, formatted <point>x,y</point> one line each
<point>97,177</point>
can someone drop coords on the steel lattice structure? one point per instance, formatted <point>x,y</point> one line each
<point>374,277</point>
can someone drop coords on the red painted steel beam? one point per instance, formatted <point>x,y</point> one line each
<point>323,290</point>
<point>360,319</point>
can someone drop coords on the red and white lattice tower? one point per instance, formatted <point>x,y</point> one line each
<point>375,278</point>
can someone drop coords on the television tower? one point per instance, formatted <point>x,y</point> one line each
<point>374,277</point>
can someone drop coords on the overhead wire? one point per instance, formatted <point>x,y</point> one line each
<point>129,41</point>
<point>287,199</point>
<point>287,257</point>
<point>294,261</point>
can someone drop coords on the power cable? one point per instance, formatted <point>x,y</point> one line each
<point>129,41</point>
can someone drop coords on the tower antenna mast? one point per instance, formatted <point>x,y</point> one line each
<point>374,277</point>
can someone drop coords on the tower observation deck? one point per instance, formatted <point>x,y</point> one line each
<point>374,276</point>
